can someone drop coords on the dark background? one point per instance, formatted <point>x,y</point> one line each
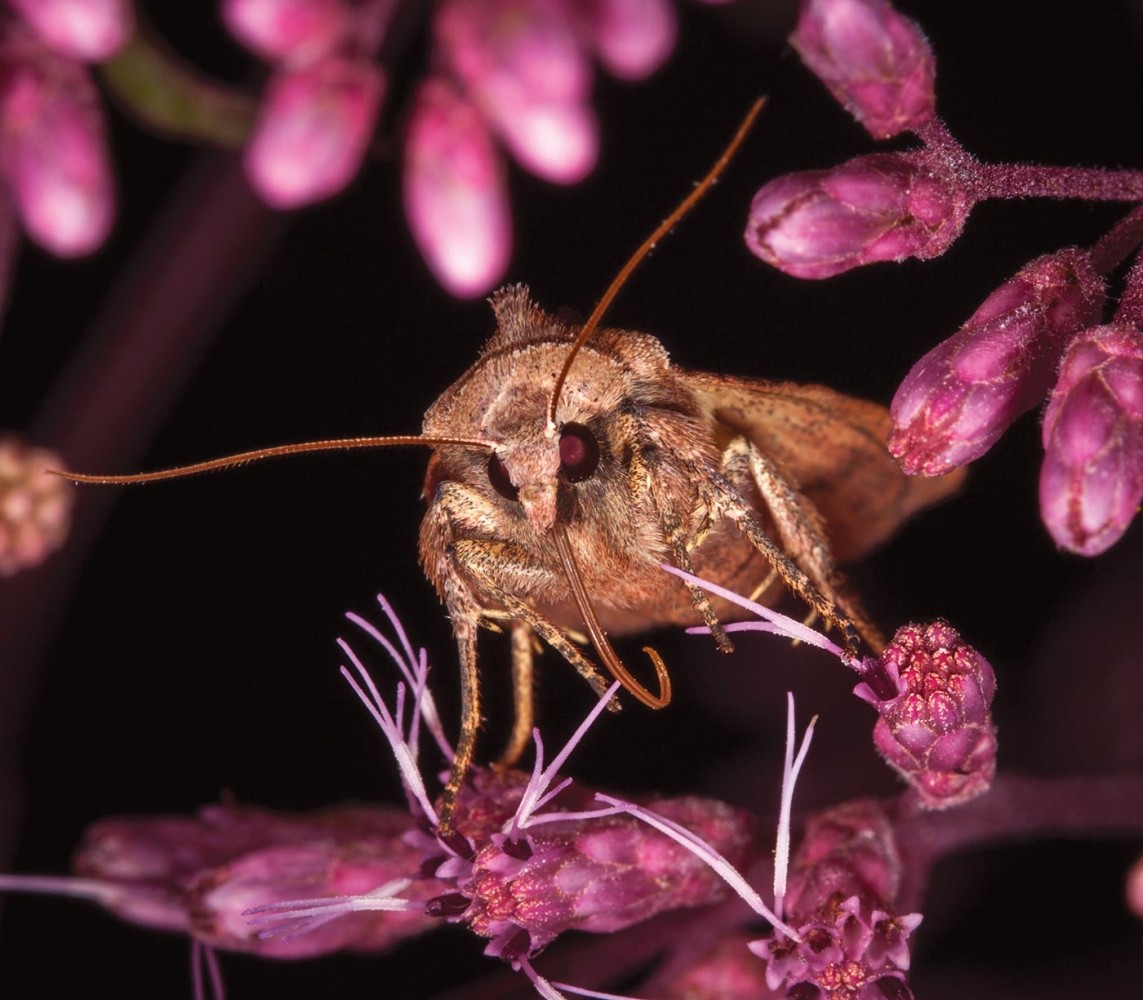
<point>196,652</point>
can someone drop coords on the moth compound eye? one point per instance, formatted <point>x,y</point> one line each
<point>579,452</point>
<point>500,480</point>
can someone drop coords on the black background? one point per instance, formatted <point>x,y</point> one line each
<point>195,654</point>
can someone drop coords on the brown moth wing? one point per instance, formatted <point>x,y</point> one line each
<point>833,447</point>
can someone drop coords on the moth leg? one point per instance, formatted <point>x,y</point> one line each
<point>802,532</point>
<point>523,686</point>
<point>724,499</point>
<point>469,724</point>
<point>643,487</point>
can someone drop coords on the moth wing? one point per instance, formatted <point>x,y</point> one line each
<point>832,446</point>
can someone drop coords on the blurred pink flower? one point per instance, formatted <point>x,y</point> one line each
<point>1091,482</point>
<point>455,191</point>
<point>961,396</point>
<point>313,130</point>
<point>286,30</point>
<point>876,62</point>
<point>631,38</point>
<point>884,206</point>
<point>90,30</point>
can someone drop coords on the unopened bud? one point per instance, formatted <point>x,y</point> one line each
<point>961,396</point>
<point>875,62</point>
<point>91,30</point>
<point>1091,482</point>
<point>286,30</point>
<point>937,733</point>
<point>632,38</point>
<point>885,206</point>
<point>35,507</point>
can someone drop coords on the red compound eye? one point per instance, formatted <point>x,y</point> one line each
<point>500,480</point>
<point>579,452</point>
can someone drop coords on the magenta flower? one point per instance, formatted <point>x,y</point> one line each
<point>295,31</point>
<point>961,396</point>
<point>631,38</point>
<point>313,130</point>
<point>35,508</point>
<point>935,729</point>
<point>455,191</point>
<point>876,62</point>
<point>53,147</point>
<point>1091,482</point>
<point>885,206</point>
<point>88,30</point>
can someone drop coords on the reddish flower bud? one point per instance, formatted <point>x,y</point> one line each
<point>886,206</point>
<point>35,507</point>
<point>91,30</point>
<point>313,130</point>
<point>522,63</point>
<point>53,152</point>
<point>632,38</point>
<point>961,396</point>
<point>1091,482</point>
<point>937,732</point>
<point>874,61</point>
<point>595,875</point>
<point>291,30</point>
<point>456,196</point>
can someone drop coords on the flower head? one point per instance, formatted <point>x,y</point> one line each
<point>35,507</point>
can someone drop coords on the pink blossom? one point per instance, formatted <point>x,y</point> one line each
<point>935,727</point>
<point>35,507</point>
<point>961,396</point>
<point>286,30</point>
<point>885,206</point>
<point>1091,482</point>
<point>313,130</point>
<point>455,191</point>
<point>53,153</point>
<point>91,30</point>
<point>876,62</point>
<point>632,38</point>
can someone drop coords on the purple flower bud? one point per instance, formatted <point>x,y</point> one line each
<point>53,153</point>
<point>200,874</point>
<point>843,886</point>
<point>961,396</point>
<point>313,130</point>
<point>1092,479</point>
<point>874,61</point>
<point>286,30</point>
<point>525,69</point>
<point>632,38</point>
<point>937,733</point>
<point>728,971</point>
<point>91,30</point>
<point>597,874</point>
<point>456,196</point>
<point>885,206</point>
<point>35,508</point>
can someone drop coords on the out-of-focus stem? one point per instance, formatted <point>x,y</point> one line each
<point>106,405</point>
<point>1122,240</point>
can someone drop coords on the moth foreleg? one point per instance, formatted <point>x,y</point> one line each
<point>523,694</point>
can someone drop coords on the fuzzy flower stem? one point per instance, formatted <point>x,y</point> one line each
<point>1115,246</point>
<point>1130,308</point>
<point>1019,180</point>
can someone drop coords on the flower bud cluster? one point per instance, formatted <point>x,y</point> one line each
<point>935,725</point>
<point>35,507</point>
<point>53,135</point>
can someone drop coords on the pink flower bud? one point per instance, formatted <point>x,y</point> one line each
<point>842,892</point>
<point>1134,889</point>
<point>961,396</point>
<point>313,130</point>
<point>632,38</point>
<point>728,971</point>
<point>91,30</point>
<point>1091,482</point>
<point>53,152</point>
<point>597,875</point>
<point>35,507</point>
<point>937,731</point>
<point>523,65</point>
<point>874,61</point>
<point>202,874</point>
<point>455,191</point>
<point>286,30</point>
<point>886,206</point>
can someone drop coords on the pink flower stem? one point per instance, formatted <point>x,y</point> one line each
<point>1130,309</point>
<point>1017,808</point>
<point>106,405</point>
<point>1122,240</point>
<point>1021,180</point>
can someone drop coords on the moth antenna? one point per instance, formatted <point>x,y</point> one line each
<point>681,211</point>
<point>599,638</point>
<point>277,451</point>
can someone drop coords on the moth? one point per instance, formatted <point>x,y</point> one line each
<point>570,462</point>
